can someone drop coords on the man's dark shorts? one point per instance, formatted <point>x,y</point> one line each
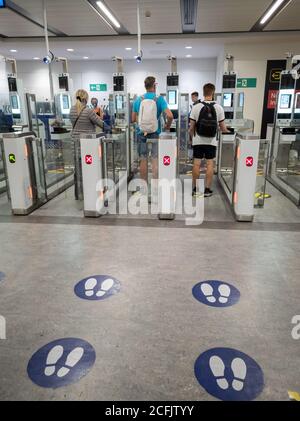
<point>204,151</point>
<point>143,147</point>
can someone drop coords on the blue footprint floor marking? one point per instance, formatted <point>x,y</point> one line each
<point>216,293</point>
<point>229,374</point>
<point>61,362</point>
<point>97,287</point>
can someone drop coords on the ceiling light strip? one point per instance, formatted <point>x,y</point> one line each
<point>107,16</point>
<point>273,10</point>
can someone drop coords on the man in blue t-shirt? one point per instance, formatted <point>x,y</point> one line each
<point>142,135</point>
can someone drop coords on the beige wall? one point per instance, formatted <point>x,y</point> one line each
<point>251,58</point>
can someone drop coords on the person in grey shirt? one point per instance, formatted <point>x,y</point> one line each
<point>84,121</point>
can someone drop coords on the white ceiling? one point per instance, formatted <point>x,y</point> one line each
<point>13,25</point>
<point>289,18</point>
<point>73,17</point>
<point>229,15</point>
<point>165,15</point>
<point>85,29</point>
<point>77,18</point>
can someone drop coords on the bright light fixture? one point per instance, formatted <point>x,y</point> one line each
<point>188,56</point>
<point>188,47</point>
<point>13,51</point>
<point>128,48</point>
<point>108,14</point>
<point>85,58</point>
<point>70,49</point>
<point>271,11</point>
<point>36,58</point>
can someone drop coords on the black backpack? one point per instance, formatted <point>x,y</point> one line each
<point>207,124</point>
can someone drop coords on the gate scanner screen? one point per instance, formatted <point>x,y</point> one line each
<point>227,100</point>
<point>241,99</point>
<point>297,103</point>
<point>285,101</point>
<point>172,97</point>
<point>66,104</point>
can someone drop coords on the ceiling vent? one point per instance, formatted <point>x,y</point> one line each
<point>189,10</point>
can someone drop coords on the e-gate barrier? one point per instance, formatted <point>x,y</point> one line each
<point>239,179</point>
<point>23,156</point>
<point>95,174</point>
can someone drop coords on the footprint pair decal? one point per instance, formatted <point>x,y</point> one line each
<point>56,354</point>
<point>90,287</point>
<point>97,287</point>
<point>239,370</point>
<point>229,374</point>
<point>216,293</point>
<point>208,291</point>
<point>61,362</point>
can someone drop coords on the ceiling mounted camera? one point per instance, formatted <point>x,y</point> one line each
<point>49,58</point>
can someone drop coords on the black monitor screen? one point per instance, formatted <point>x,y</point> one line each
<point>63,83</point>
<point>287,82</point>
<point>119,83</point>
<point>229,81</point>
<point>12,84</point>
<point>172,80</point>
<point>285,101</point>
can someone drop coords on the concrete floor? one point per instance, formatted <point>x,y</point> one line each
<point>149,335</point>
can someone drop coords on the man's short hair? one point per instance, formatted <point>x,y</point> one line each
<point>195,93</point>
<point>209,89</point>
<point>149,82</point>
<point>94,99</point>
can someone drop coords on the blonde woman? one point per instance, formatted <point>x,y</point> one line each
<point>84,121</point>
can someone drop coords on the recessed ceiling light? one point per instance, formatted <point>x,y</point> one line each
<point>108,14</point>
<point>13,51</point>
<point>36,58</point>
<point>188,47</point>
<point>128,48</point>
<point>85,58</point>
<point>188,55</point>
<point>70,49</point>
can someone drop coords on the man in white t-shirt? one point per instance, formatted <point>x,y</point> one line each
<point>205,147</point>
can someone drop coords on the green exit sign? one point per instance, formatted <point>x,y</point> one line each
<point>247,83</point>
<point>98,87</point>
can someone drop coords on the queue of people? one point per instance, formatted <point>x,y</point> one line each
<point>206,118</point>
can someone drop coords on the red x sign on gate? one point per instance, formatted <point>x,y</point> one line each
<point>88,159</point>
<point>249,161</point>
<point>167,160</point>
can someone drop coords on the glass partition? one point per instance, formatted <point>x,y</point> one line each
<point>59,162</point>
<point>227,163</point>
<point>288,163</point>
<point>261,180</point>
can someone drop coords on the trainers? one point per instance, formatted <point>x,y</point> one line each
<point>208,192</point>
<point>197,193</point>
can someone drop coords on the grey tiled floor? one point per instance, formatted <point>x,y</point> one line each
<point>148,336</point>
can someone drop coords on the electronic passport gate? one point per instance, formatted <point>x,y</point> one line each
<point>24,164</point>
<point>239,180</point>
<point>167,175</point>
<point>93,171</point>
